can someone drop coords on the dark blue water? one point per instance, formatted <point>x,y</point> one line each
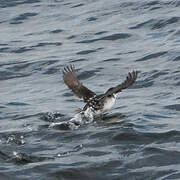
<point>139,138</point>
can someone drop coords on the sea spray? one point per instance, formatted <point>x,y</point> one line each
<point>79,119</point>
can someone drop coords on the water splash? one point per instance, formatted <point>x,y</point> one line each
<point>79,119</point>
<point>14,138</point>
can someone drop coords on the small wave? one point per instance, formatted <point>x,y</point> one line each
<point>47,44</point>
<point>143,24</point>
<point>173,107</point>
<point>152,56</point>
<point>4,75</point>
<point>78,60</point>
<point>24,49</point>
<point>100,32</point>
<point>176,58</point>
<point>17,104</point>
<point>68,153</point>
<point>16,3</point>
<point>71,37</point>
<point>163,23</point>
<point>77,5</point>
<point>92,19</point>
<point>111,60</point>
<point>144,83</point>
<point>112,37</point>
<point>87,74</point>
<point>19,19</point>
<point>156,24</point>
<point>142,138</point>
<point>23,69</point>
<point>177,3</point>
<point>12,63</point>
<point>56,31</point>
<point>150,78</point>
<point>2,106</point>
<point>21,50</point>
<point>4,50</point>
<point>86,52</point>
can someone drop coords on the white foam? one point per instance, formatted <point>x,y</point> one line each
<point>81,118</point>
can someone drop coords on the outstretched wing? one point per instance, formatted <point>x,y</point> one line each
<point>130,79</point>
<point>70,79</point>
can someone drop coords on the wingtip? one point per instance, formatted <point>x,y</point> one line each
<point>134,73</point>
<point>69,68</point>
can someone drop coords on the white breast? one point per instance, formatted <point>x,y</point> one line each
<point>109,103</point>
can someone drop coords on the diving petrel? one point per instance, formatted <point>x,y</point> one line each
<point>98,103</point>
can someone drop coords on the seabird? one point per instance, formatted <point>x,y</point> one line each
<point>97,103</point>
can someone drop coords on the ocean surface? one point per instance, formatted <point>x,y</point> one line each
<point>139,139</point>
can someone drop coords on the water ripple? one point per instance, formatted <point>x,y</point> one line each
<point>10,3</point>
<point>152,56</point>
<point>139,137</point>
<point>86,52</point>
<point>163,23</point>
<point>112,37</point>
<point>19,19</point>
<point>173,107</point>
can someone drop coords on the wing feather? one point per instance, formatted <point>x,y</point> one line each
<point>70,79</point>
<point>130,80</point>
